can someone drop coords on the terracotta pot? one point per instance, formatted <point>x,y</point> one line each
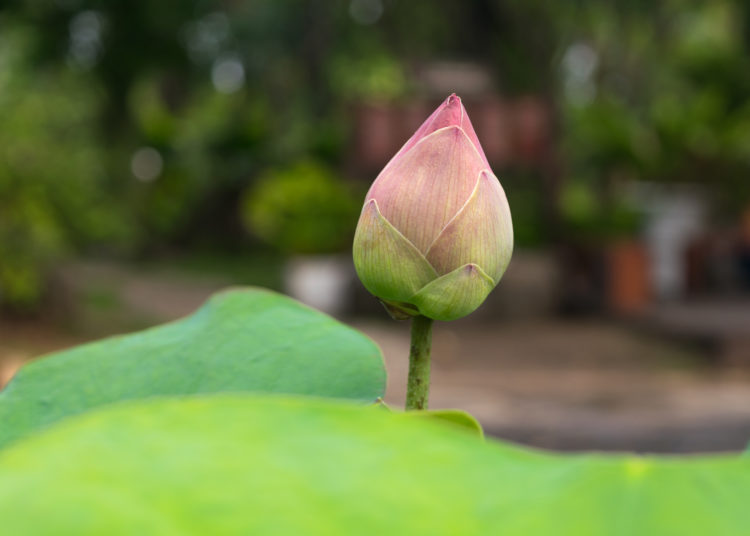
<point>628,284</point>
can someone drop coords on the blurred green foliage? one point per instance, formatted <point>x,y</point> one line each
<point>148,120</point>
<point>304,208</point>
<point>51,168</point>
<point>588,218</point>
<point>659,92</point>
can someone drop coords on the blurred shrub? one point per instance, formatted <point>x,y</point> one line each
<point>304,208</point>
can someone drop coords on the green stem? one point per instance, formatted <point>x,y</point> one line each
<point>418,385</point>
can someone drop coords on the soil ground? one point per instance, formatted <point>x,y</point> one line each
<point>588,385</point>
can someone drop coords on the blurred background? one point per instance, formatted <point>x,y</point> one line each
<point>153,152</point>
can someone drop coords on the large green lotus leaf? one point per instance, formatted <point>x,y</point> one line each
<point>240,340</point>
<point>234,464</point>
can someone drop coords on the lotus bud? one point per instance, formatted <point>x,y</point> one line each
<point>435,234</point>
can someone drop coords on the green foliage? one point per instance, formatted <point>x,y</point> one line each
<point>369,78</point>
<point>210,143</point>
<point>589,218</point>
<point>51,170</point>
<point>239,341</point>
<point>234,464</point>
<point>303,208</point>
<point>658,92</point>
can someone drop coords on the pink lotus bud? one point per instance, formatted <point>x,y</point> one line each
<point>435,234</point>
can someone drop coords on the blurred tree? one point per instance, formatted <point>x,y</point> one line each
<point>661,92</point>
<point>175,107</point>
<point>50,170</point>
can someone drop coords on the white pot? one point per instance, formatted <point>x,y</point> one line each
<point>323,282</point>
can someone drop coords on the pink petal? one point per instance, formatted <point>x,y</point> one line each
<point>481,233</point>
<point>450,113</point>
<point>469,129</point>
<point>420,192</point>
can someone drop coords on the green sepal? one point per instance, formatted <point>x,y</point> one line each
<point>455,294</point>
<point>451,417</point>
<point>389,266</point>
<point>400,310</point>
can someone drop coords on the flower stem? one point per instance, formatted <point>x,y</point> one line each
<point>418,385</point>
